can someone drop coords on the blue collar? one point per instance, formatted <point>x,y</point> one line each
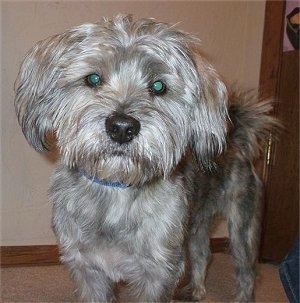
<point>104,182</point>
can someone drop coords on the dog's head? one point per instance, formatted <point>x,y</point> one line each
<point>125,99</point>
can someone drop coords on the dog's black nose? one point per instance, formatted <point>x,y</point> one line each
<point>122,128</point>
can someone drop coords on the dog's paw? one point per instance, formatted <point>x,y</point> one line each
<point>199,293</point>
<point>190,293</point>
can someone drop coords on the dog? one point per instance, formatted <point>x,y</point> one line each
<point>152,146</point>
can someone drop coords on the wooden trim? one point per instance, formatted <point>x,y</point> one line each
<point>271,48</point>
<point>271,58</point>
<point>49,255</point>
<point>29,255</point>
<point>271,54</point>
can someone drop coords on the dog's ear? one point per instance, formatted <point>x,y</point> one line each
<point>208,113</point>
<point>35,90</point>
<point>209,126</point>
<point>37,85</point>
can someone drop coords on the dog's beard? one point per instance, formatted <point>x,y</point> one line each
<point>132,164</point>
<point>129,171</point>
<point>153,153</point>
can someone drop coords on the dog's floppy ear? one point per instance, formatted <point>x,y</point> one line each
<point>37,85</point>
<point>35,90</point>
<point>210,117</point>
<point>208,113</point>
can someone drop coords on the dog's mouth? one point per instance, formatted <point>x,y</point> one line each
<point>126,152</point>
<point>118,153</point>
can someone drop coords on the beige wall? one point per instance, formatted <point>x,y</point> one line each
<point>231,33</point>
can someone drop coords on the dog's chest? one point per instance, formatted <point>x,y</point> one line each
<point>146,229</point>
<point>134,219</point>
<point>140,217</point>
<point>121,230</point>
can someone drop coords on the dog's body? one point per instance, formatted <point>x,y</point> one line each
<point>142,123</point>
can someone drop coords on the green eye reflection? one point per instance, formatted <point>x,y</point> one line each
<point>93,80</point>
<point>158,87</point>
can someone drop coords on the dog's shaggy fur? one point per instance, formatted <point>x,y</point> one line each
<point>151,150</point>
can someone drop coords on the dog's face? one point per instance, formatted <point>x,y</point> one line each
<point>124,99</point>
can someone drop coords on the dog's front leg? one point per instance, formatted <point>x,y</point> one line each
<point>154,285</point>
<point>193,285</point>
<point>93,284</point>
<point>199,257</point>
<point>152,280</point>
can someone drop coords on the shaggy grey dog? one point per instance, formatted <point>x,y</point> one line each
<point>149,154</point>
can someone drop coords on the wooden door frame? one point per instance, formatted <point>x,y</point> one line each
<point>272,49</point>
<point>271,58</point>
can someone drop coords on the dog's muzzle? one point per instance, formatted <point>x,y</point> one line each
<point>122,128</point>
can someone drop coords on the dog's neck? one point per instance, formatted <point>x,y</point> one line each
<point>102,182</point>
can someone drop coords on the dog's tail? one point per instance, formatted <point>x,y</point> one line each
<point>252,124</point>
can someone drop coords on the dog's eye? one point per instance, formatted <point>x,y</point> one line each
<point>158,87</point>
<point>93,80</point>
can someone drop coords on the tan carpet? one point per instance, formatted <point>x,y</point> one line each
<point>52,283</point>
